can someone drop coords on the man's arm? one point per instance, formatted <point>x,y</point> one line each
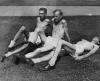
<point>96,47</point>
<point>50,24</point>
<point>49,29</point>
<point>66,29</point>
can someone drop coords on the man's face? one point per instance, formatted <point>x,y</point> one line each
<point>95,39</point>
<point>42,14</point>
<point>57,16</point>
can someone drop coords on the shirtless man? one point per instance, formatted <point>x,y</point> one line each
<point>59,28</point>
<point>75,50</point>
<point>31,37</point>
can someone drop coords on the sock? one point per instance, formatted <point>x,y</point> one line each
<point>11,44</point>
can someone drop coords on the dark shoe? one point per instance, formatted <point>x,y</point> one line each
<point>3,58</point>
<point>27,60</point>
<point>47,68</point>
<point>17,60</point>
<point>30,62</point>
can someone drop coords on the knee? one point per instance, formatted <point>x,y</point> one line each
<point>38,50</point>
<point>23,28</point>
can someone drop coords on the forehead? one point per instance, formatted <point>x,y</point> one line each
<point>57,13</point>
<point>41,11</point>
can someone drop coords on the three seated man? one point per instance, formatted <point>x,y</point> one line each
<point>52,43</point>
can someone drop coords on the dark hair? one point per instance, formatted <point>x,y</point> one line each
<point>98,41</point>
<point>44,9</point>
<point>59,10</point>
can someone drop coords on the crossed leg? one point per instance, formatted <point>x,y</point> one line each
<point>33,37</point>
<point>38,51</point>
<point>44,58</point>
<point>67,46</point>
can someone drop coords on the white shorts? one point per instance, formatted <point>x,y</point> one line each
<point>79,49</point>
<point>31,34</point>
<point>51,41</point>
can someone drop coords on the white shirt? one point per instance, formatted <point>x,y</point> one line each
<point>58,30</point>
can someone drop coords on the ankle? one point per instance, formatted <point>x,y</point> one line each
<point>3,58</point>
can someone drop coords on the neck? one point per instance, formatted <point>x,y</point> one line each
<point>93,42</point>
<point>42,19</point>
<point>57,22</point>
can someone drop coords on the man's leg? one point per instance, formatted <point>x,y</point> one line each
<point>34,36</point>
<point>39,50</point>
<point>17,36</point>
<point>27,57</point>
<point>13,52</point>
<point>44,58</point>
<point>68,47</point>
<point>32,46</point>
<point>42,37</point>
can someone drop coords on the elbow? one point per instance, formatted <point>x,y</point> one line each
<point>96,47</point>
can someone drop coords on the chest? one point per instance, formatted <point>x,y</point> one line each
<point>88,46</point>
<point>42,24</point>
<point>58,28</point>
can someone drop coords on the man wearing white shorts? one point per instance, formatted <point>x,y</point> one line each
<point>31,37</point>
<point>75,50</point>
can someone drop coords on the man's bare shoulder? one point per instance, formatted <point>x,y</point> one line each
<point>52,19</point>
<point>48,20</point>
<point>38,17</point>
<point>64,21</point>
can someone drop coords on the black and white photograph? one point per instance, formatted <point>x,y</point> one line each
<point>49,40</point>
